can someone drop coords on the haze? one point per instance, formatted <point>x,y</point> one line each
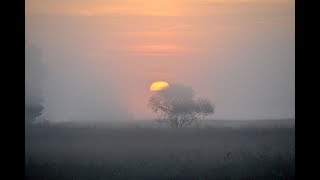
<point>102,56</point>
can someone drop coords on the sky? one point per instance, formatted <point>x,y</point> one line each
<point>102,56</point>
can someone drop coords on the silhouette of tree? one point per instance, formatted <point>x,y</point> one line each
<point>178,107</point>
<point>31,112</point>
<point>34,78</point>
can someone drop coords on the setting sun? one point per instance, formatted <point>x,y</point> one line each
<point>159,85</point>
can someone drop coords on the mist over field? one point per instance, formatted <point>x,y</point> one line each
<point>262,149</point>
<point>170,89</point>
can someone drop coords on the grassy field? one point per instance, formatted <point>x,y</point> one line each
<point>225,151</point>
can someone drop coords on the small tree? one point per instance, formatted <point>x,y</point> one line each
<point>178,107</point>
<point>35,72</point>
<point>32,112</point>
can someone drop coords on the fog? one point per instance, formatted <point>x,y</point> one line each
<point>96,59</point>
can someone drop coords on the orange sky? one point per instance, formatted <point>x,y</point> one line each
<point>153,8</point>
<point>196,42</point>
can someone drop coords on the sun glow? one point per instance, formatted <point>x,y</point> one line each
<point>159,85</point>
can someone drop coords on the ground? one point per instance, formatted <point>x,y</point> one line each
<point>148,152</point>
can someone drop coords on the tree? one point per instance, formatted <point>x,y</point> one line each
<point>32,112</point>
<point>178,107</point>
<point>35,72</point>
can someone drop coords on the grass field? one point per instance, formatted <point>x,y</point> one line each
<point>251,150</point>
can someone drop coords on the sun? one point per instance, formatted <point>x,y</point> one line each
<point>158,86</point>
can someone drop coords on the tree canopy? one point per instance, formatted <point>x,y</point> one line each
<point>178,106</point>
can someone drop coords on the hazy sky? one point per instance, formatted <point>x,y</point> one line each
<point>103,55</point>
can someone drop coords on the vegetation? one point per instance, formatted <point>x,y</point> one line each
<point>178,107</point>
<point>160,153</point>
